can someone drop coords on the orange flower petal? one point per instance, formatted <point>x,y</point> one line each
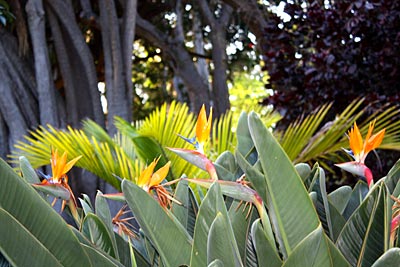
<point>159,175</point>
<point>70,164</point>
<point>57,164</point>
<point>145,176</point>
<point>374,141</point>
<point>355,140</point>
<point>203,126</point>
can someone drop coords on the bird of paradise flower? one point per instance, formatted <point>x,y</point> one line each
<point>360,150</point>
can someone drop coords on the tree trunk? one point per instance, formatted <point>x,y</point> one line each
<point>220,92</point>
<point>44,82</point>
<point>117,102</point>
<point>78,63</point>
<point>175,53</point>
<point>201,63</point>
<point>18,101</point>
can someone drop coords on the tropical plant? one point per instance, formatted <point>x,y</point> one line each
<point>261,209</point>
<point>307,140</point>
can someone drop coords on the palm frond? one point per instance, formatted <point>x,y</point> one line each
<point>298,134</point>
<point>332,136</point>
<point>164,125</point>
<point>222,135</point>
<point>104,159</point>
<point>305,140</point>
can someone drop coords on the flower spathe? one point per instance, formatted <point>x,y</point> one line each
<point>360,150</point>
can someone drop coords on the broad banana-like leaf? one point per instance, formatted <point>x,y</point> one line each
<point>240,216</point>
<point>365,237</point>
<point>314,250</point>
<point>312,178</point>
<point>340,197</point>
<point>357,196</point>
<point>216,263</point>
<point>28,220</point>
<point>54,190</point>
<point>251,255</point>
<point>262,247</point>
<point>166,234</point>
<point>291,210</point>
<point>221,243</point>
<point>86,204</point>
<point>245,145</point>
<point>392,179</point>
<point>212,204</point>
<point>129,254</point>
<point>103,212</point>
<point>100,259</point>
<point>303,169</point>
<point>11,231</point>
<point>332,221</point>
<point>390,258</point>
<point>226,167</point>
<point>27,170</point>
<point>185,212</point>
<point>96,231</point>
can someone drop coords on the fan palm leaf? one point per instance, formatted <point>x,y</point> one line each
<point>305,140</point>
<point>105,159</point>
<point>165,125</point>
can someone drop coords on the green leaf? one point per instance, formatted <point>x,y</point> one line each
<point>312,251</point>
<point>41,223</point>
<point>392,179</point>
<point>103,212</point>
<point>245,144</point>
<point>390,258</point>
<point>99,259</point>
<point>356,197</point>
<point>124,252</point>
<point>240,216</point>
<point>340,197</point>
<point>86,204</point>
<point>265,251</point>
<point>28,173</point>
<point>332,221</point>
<point>212,204</point>
<point>166,234</point>
<point>291,209</point>
<point>255,177</point>
<point>216,263</point>
<point>303,169</point>
<point>55,190</point>
<point>96,231</point>
<point>187,212</point>
<point>337,257</point>
<point>221,243</point>
<point>11,231</point>
<point>365,237</point>
<point>226,166</point>
<point>164,125</point>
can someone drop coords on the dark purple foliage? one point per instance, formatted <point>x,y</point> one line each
<point>338,53</point>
